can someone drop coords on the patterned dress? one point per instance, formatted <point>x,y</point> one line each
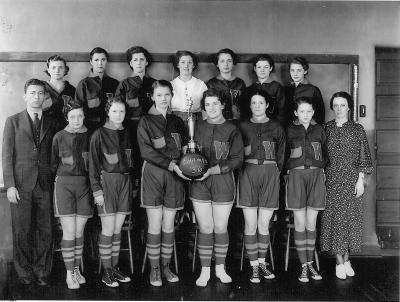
<point>349,154</point>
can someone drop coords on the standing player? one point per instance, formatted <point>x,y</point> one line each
<point>213,194</point>
<point>70,163</point>
<point>110,170</point>
<point>161,137</point>
<point>264,152</point>
<point>92,90</point>
<point>263,66</point>
<point>305,188</point>
<point>301,87</point>
<point>56,87</point>
<point>228,85</point>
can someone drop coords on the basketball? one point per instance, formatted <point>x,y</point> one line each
<point>193,165</point>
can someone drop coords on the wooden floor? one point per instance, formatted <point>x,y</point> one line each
<point>377,279</point>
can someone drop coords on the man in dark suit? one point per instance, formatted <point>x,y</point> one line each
<point>27,143</point>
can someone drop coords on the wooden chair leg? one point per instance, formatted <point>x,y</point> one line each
<point>175,258</point>
<point>82,268</point>
<point>130,251</point>
<point>271,255</point>
<point>194,249</point>
<point>316,259</point>
<point>99,268</point>
<point>242,255</point>
<point>144,260</point>
<point>287,249</point>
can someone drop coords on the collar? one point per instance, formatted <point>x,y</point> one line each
<point>135,75</point>
<point>154,111</point>
<point>69,129</point>
<point>184,83</point>
<point>269,80</point>
<point>110,126</point>
<point>220,121</point>
<point>297,123</point>
<point>92,75</point>
<point>304,82</point>
<point>30,113</point>
<point>219,77</point>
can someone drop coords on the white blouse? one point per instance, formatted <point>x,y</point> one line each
<point>193,89</point>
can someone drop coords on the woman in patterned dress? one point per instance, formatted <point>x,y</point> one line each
<point>349,161</point>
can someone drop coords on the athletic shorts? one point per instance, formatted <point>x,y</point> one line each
<point>160,187</point>
<point>72,197</point>
<point>259,186</point>
<point>219,188</point>
<point>117,191</point>
<point>305,188</point>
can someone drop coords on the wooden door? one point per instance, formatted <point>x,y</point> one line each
<point>387,145</point>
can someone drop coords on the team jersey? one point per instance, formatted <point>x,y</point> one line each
<point>264,141</point>
<point>276,107</point>
<point>221,144</point>
<point>161,139</point>
<point>308,90</point>
<point>70,152</point>
<point>232,91</point>
<point>306,147</point>
<point>136,93</point>
<point>53,103</point>
<point>110,151</point>
<point>91,92</point>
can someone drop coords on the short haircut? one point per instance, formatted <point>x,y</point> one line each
<point>35,82</point>
<point>138,49</point>
<point>212,92</point>
<point>70,104</point>
<point>56,58</point>
<point>300,60</point>
<point>342,94</point>
<point>303,100</point>
<point>111,101</point>
<point>225,51</point>
<point>262,93</point>
<point>98,50</point>
<point>264,57</point>
<point>181,53</point>
<point>161,83</point>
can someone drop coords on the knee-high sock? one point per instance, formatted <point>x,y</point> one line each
<point>311,236</point>
<point>301,246</point>
<point>221,245</point>
<point>205,246</point>
<point>105,249</point>
<point>116,245</point>
<point>153,248</point>
<point>78,250</point>
<point>167,246</point>
<point>250,241</point>
<point>68,253</point>
<point>263,241</point>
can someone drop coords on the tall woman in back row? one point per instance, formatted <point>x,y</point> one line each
<point>349,161</point>
<point>213,195</point>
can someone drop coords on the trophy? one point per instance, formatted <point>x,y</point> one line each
<point>193,164</point>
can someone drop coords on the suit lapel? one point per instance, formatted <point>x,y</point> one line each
<point>44,127</point>
<point>26,125</point>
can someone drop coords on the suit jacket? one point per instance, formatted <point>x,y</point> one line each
<point>23,163</point>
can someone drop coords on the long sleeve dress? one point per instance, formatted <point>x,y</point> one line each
<point>349,154</point>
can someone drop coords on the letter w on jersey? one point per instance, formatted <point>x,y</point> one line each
<point>221,150</point>
<point>317,150</point>
<point>177,139</point>
<point>269,148</point>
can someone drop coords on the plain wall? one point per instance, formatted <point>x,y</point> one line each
<point>206,26</point>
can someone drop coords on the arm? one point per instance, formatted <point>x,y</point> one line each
<point>364,156</point>
<point>281,148</point>
<point>280,103</point>
<point>121,91</point>
<point>55,159</point>
<point>319,107</point>
<point>8,155</point>
<point>235,158</point>
<point>95,164</point>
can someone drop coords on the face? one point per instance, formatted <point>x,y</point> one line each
<point>162,97</point>
<point>225,63</point>
<point>185,65</point>
<point>305,113</point>
<point>34,97</point>
<point>262,70</point>
<point>138,63</point>
<point>258,106</point>
<point>98,62</point>
<point>75,118</point>
<point>340,107</point>
<point>213,107</point>
<point>297,72</point>
<point>116,114</point>
<point>56,70</point>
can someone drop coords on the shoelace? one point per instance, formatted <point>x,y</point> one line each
<point>264,269</point>
<point>312,269</point>
<point>255,272</point>
<point>304,271</point>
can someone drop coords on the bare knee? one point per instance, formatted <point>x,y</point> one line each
<point>250,227</point>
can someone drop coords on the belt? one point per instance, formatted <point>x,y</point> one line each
<point>259,161</point>
<point>306,167</point>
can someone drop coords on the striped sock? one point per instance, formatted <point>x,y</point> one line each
<point>205,246</point>
<point>263,241</point>
<point>105,248</point>
<point>301,246</point>
<point>221,245</point>
<point>78,251</point>
<point>153,249</point>
<point>250,241</point>
<point>167,246</point>
<point>116,245</point>
<point>67,250</point>
<point>311,236</point>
